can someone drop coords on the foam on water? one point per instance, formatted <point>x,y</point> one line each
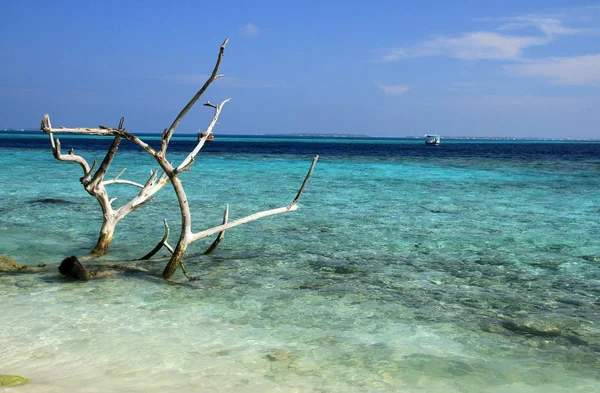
<point>411,273</point>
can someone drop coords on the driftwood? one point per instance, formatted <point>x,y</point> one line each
<point>214,244</point>
<point>73,268</point>
<point>95,185</point>
<point>171,174</point>
<point>85,268</point>
<point>162,243</point>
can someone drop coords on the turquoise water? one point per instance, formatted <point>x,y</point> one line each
<point>404,269</point>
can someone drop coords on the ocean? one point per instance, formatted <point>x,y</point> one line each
<point>469,267</point>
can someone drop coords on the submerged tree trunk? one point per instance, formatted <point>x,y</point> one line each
<point>186,225</point>
<point>105,238</point>
<point>175,260</point>
<point>108,220</point>
<point>94,184</point>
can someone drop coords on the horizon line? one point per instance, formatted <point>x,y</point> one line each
<point>345,135</point>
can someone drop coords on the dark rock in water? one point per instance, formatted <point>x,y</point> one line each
<point>8,265</point>
<point>12,380</point>
<point>283,358</point>
<point>575,340</point>
<point>531,329</point>
<point>316,285</point>
<point>571,302</point>
<point>347,270</point>
<point>491,326</point>
<point>591,258</point>
<point>445,210</point>
<point>546,264</point>
<point>52,201</point>
<point>72,268</point>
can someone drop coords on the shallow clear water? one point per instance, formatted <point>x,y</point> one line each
<point>471,267</point>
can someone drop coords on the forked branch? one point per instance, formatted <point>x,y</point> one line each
<point>189,160</point>
<point>253,217</point>
<point>99,175</point>
<point>69,157</point>
<point>116,180</point>
<point>168,133</point>
<point>93,180</point>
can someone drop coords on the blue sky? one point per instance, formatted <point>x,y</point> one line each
<point>381,68</point>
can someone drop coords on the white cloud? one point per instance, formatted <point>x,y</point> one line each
<point>494,45</point>
<point>486,45</point>
<point>550,26</point>
<point>470,46</point>
<point>576,70</point>
<point>250,30</point>
<point>393,90</point>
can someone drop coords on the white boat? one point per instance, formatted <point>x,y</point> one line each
<point>432,139</point>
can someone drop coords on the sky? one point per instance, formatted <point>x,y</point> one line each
<point>380,68</point>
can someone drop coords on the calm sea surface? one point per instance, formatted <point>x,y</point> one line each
<point>469,267</point>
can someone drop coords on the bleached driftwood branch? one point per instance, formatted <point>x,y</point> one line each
<point>189,160</point>
<point>95,185</point>
<point>256,216</point>
<point>171,173</point>
<point>221,234</point>
<point>116,180</point>
<point>168,133</point>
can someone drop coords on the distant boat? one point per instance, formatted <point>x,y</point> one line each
<point>209,138</point>
<point>432,139</point>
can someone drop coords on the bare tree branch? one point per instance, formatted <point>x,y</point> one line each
<point>168,247</point>
<point>119,181</point>
<point>253,217</point>
<point>160,244</point>
<point>310,171</point>
<point>120,173</point>
<point>96,187</point>
<point>149,182</point>
<point>47,128</point>
<point>221,234</point>
<point>110,155</point>
<point>85,180</point>
<point>144,196</point>
<point>189,160</point>
<point>168,133</point>
<point>185,272</point>
<point>116,180</point>
<point>70,157</point>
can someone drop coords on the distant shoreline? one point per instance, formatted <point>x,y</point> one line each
<point>344,136</point>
